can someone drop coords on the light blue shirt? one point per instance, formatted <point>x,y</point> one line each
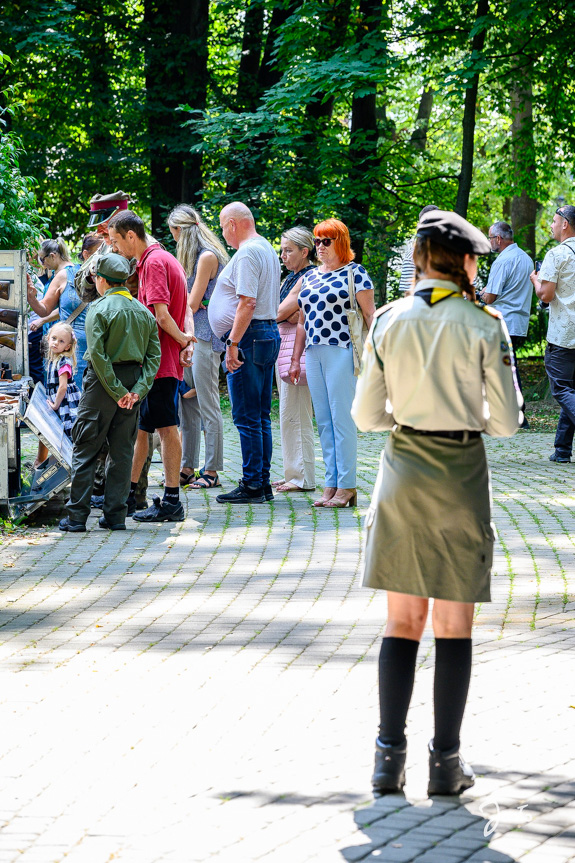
<point>509,281</point>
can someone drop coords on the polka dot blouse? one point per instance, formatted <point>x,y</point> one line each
<point>324,299</point>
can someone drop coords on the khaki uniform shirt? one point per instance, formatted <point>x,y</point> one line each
<point>120,329</point>
<point>440,367</point>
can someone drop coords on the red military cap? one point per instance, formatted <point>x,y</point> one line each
<point>103,207</point>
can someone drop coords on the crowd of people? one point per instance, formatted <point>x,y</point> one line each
<point>438,371</point>
<point>207,305</point>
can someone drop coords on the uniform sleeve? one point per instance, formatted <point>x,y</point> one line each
<point>150,364</point>
<point>502,393</point>
<point>369,409</point>
<point>95,335</point>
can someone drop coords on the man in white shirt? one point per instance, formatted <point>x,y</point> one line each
<point>509,288</point>
<point>555,284</point>
<point>242,312</point>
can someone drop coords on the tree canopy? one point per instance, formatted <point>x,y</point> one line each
<point>362,109</point>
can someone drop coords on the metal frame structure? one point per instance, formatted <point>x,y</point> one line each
<point>14,295</point>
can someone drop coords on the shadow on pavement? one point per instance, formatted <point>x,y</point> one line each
<point>437,830</point>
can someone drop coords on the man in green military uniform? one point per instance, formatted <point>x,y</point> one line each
<point>102,209</point>
<point>124,356</point>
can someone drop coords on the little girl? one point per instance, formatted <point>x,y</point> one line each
<point>61,386</point>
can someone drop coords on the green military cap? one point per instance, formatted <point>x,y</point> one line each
<point>103,207</point>
<point>114,268</point>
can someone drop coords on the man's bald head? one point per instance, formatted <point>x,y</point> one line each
<point>238,211</point>
<point>237,224</point>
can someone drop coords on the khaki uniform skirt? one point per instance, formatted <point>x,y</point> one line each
<point>428,529</point>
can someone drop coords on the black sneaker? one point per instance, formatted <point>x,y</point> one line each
<point>268,492</point>
<point>242,494</point>
<point>106,526</point>
<point>72,526</point>
<point>97,501</point>
<point>389,769</point>
<point>559,459</point>
<point>448,772</point>
<point>161,511</point>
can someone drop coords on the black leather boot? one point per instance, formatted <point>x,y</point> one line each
<point>448,772</point>
<point>389,770</point>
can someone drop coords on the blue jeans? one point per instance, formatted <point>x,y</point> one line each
<point>250,389</point>
<point>560,368</point>
<point>331,382</point>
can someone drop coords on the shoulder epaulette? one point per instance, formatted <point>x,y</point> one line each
<point>383,309</point>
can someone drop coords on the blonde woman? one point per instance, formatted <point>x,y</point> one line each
<point>296,413</point>
<point>52,255</point>
<point>203,257</point>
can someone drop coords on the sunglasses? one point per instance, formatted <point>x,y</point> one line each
<point>563,216</point>
<point>322,241</point>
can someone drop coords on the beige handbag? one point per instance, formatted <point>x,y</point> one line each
<point>355,320</point>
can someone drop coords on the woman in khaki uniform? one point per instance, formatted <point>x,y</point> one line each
<point>437,371</point>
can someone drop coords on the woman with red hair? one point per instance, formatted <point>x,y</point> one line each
<point>324,302</point>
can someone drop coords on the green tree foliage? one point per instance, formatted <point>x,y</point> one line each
<point>362,109</point>
<point>20,223</point>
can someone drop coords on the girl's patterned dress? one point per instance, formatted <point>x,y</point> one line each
<point>68,410</point>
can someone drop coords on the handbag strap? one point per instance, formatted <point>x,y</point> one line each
<point>77,311</point>
<point>351,288</point>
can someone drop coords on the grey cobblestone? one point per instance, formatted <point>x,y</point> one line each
<point>207,690</point>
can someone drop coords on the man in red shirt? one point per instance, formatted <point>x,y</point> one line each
<point>163,290</point>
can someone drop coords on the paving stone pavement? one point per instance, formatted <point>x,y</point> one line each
<point>206,691</point>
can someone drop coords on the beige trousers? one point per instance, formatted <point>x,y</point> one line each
<point>297,434</point>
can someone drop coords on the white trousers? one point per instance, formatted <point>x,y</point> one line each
<point>297,435</point>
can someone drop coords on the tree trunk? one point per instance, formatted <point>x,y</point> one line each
<point>523,206</point>
<point>248,91</point>
<point>331,33</point>
<point>419,135</point>
<point>363,139</point>
<point>270,72</point>
<point>176,33</point>
<point>246,168</point>
<point>468,143</point>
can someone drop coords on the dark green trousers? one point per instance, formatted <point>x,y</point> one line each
<point>99,417</point>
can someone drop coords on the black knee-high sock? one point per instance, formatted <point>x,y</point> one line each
<point>396,674</point>
<point>450,688</point>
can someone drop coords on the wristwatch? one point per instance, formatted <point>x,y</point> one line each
<point>230,344</point>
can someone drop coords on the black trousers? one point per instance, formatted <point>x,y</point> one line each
<point>560,368</point>
<point>100,418</point>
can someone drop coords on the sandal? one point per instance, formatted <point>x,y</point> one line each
<point>187,478</point>
<point>290,486</point>
<point>206,481</point>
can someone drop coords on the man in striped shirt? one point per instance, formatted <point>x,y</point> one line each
<point>407,277</point>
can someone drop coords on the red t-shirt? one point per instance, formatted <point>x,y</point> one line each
<point>162,280</point>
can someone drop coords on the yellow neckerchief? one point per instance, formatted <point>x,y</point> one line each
<point>433,291</point>
<point>123,294</point>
